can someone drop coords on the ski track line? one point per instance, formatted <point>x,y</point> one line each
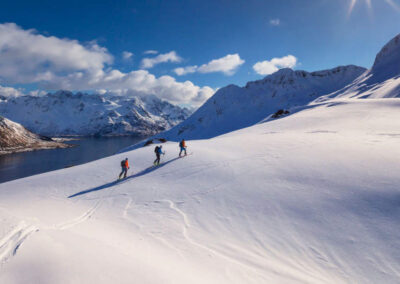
<point>87,215</point>
<point>128,205</point>
<point>186,226</point>
<point>10,244</point>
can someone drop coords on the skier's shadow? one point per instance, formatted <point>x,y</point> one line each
<point>113,183</point>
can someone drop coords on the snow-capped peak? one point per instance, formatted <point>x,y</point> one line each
<point>381,81</point>
<point>388,59</point>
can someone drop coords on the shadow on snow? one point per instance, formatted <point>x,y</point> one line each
<point>110,184</point>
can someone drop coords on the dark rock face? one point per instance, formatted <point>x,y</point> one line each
<point>15,138</point>
<point>280,113</point>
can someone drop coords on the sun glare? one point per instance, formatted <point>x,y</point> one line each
<point>368,3</point>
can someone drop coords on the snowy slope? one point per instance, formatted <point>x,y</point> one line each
<point>310,198</point>
<point>15,138</point>
<point>234,107</point>
<point>65,113</point>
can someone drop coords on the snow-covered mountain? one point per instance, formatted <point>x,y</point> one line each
<point>15,138</point>
<point>234,107</point>
<point>381,81</point>
<point>65,113</point>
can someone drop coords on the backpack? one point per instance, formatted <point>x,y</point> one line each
<point>156,149</point>
<point>123,163</point>
<point>180,144</point>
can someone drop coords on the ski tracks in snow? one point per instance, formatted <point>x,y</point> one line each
<point>185,228</point>
<point>12,241</point>
<point>10,244</point>
<point>87,215</point>
<point>126,209</point>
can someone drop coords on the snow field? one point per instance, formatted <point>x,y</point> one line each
<point>310,198</point>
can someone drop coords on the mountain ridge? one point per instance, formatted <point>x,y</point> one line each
<point>234,107</point>
<point>77,114</point>
<point>381,81</point>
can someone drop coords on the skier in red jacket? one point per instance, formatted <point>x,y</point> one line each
<point>125,167</point>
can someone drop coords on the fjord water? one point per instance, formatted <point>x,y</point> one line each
<point>20,165</point>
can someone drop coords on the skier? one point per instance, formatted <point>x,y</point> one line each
<point>125,167</point>
<point>182,145</point>
<point>158,151</point>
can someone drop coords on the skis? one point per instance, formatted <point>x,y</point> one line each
<point>191,153</point>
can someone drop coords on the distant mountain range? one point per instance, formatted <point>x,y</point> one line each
<point>64,114</point>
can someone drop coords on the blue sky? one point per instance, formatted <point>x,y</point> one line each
<point>320,34</point>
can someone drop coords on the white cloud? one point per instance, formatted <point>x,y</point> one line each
<point>139,82</point>
<point>202,95</point>
<point>161,58</point>
<point>10,92</point>
<point>180,71</point>
<point>28,57</point>
<point>227,65</point>
<point>127,55</point>
<point>275,22</point>
<point>268,67</point>
<point>150,51</point>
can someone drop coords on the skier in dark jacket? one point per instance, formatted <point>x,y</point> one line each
<point>125,167</point>
<point>158,151</point>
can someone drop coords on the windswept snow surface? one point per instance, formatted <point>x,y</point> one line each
<point>310,198</point>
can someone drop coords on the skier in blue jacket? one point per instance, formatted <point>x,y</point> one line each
<point>158,151</point>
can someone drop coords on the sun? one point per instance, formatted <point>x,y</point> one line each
<point>369,5</point>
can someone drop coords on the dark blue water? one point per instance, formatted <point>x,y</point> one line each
<point>19,165</point>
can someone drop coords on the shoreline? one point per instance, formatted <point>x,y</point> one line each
<point>49,146</point>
